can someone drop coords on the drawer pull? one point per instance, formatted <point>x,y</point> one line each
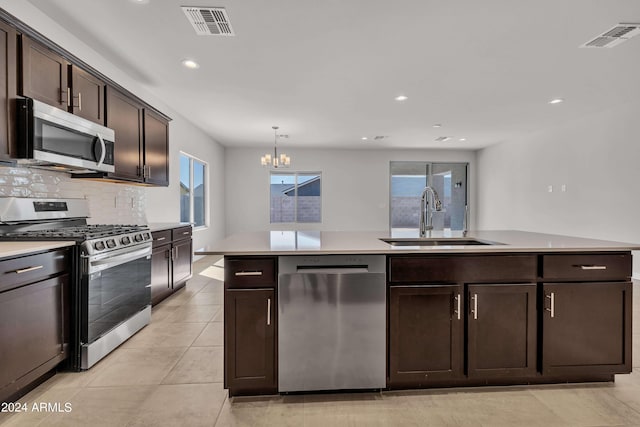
<point>160,238</point>
<point>593,267</point>
<point>552,307</point>
<point>185,232</point>
<point>248,273</point>
<point>28,269</point>
<point>458,301</point>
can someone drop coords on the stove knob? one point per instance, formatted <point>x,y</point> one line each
<point>111,243</point>
<point>138,238</point>
<point>125,240</point>
<point>147,236</point>
<point>98,246</point>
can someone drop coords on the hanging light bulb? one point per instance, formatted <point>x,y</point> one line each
<point>276,161</point>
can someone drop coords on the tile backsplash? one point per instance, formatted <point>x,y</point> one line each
<point>109,203</point>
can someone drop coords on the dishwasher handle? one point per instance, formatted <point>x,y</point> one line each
<point>332,269</point>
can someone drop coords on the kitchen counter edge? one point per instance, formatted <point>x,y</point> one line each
<point>12,249</point>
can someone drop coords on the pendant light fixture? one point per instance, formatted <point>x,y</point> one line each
<point>276,161</point>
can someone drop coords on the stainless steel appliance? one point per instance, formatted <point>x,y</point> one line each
<point>49,136</point>
<point>332,322</point>
<point>111,296</point>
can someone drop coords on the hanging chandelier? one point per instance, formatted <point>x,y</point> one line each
<point>276,161</point>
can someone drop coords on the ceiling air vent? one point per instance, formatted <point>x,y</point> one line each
<point>614,36</point>
<point>209,21</point>
<point>443,138</point>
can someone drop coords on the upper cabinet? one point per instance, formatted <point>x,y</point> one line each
<point>44,75</point>
<point>142,142</point>
<point>156,149</point>
<point>8,75</point>
<point>87,95</point>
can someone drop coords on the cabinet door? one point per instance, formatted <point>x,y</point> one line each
<point>34,328</point>
<point>44,75</point>
<point>87,95</point>
<point>250,341</point>
<point>8,75</point>
<point>182,258</point>
<point>586,328</point>
<point>502,330</point>
<point>124,116</point>
<point>425,334</point>
<point>160,273</point>
<point>156,149</point>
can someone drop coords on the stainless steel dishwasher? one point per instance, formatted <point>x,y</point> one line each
<point>331,322</point>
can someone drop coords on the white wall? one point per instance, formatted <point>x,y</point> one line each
<point>162,204</point>
<point>355,185</point>
<point>596,157</point>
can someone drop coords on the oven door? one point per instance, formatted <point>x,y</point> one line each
<point>116,300</point>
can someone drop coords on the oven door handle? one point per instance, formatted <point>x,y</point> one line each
<point>103,264</point>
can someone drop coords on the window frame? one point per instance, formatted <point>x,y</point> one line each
<point>295,210</point>
<point>205,183</point>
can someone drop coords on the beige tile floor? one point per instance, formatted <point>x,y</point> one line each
<point>170,374</point>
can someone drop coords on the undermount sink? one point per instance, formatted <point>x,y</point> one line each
<point>441,241</point>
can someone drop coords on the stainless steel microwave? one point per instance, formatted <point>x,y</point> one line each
<point>49,136</point>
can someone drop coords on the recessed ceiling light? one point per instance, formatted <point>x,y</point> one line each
<point>462,139</point>
<point>437,125</point>
<point>401,98</point>
<point>190,63</point>
<point>140,1</point>
<point>556,101</point>
<point>364,138</point>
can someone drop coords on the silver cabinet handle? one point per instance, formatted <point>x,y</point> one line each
<point>552,306</point>
<point>268,311</point>
<point>248,273</point>
<point>185,232</point>
<point>28,269</point>
<point>475,306</point>
<point>593,267</point>
<point>80,101</point>
<point>160,238</point>
<point>458,303</point>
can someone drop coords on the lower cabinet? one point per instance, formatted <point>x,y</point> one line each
<point>34,319</point>
<point>502,332</point>
<point>171,261</point>
<point>250,341</point>
<point>426,333</point>
<point>587,328</point>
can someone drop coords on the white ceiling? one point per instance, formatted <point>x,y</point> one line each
<point>327,71</point>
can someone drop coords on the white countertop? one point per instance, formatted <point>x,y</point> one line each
<point>348,242</point>
<point>11,249</point>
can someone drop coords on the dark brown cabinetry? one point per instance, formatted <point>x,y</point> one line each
<point>502,331</point>
<point>437,301</point>
<point>587,314</point>
<point>142,147</point>
<point>34,319</point>
<point>426,334</point>
<point>44,75</point>
<point>171,261</point>
<point>8,89</point>
<point>87,95</point>
<point>250,325</point>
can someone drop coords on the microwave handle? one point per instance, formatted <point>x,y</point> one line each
<point>103,153</point>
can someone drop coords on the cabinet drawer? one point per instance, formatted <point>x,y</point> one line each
<point>32,268</point>
<point>181,233</point>
<point>250,272</point>
<point>161,237</point>
<point>587,266</point>
<point>485,268</point>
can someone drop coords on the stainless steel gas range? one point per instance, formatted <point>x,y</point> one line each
<point>111,296</point>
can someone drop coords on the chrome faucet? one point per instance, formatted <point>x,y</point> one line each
<point>426,209</point>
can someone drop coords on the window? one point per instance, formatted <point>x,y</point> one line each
<point>408,180</point>
<point>193,173</point>
<point>295,197</point>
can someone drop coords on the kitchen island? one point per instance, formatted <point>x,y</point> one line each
<point>487,308</point>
